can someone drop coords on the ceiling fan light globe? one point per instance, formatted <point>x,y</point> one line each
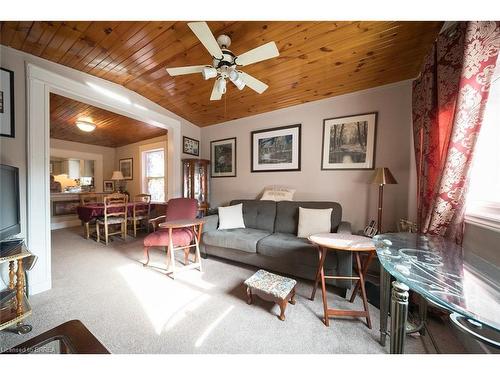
<point>221,85</point>
<point>239,83</point>
<point>224,41</point>
<point>233,75</point>
<point>209,72</point>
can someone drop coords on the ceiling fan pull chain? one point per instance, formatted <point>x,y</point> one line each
<point>225,107</point>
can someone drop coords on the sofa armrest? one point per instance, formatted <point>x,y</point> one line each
<point>211,222</point>
<point>344,227</point>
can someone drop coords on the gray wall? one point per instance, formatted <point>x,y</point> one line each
<point>350,188</point>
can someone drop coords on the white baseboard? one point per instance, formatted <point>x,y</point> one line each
<point>39,287</point>
<point>65,224</point>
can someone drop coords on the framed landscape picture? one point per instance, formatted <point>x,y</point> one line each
<point>190,146</point>
<point>127,168</point>
<point>276,149</point>
<point>7,127</point>
<point>349,142</point>
<point>223,157</point>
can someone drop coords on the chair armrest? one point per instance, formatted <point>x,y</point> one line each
<point>344,227</point>
<point>211,222</point>
<point>154,221</point>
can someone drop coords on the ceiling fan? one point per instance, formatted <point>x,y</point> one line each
<point>225,64</point>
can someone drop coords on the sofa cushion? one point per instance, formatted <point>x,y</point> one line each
<point>231,217</point>
<point>292,249</point>
<point>244,239</point>
<point>314,220</point>
<point>258,214</point>
<point>287,215</point>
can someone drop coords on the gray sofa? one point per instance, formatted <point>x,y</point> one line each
<point>270,240</point>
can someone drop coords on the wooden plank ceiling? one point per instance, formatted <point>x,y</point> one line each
<point>112,130</point>
<point>317,59</point>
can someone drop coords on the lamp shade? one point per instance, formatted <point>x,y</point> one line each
<point>117,175</point>
<point>383,176</point>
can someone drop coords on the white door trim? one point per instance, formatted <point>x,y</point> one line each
<point>95,91</point>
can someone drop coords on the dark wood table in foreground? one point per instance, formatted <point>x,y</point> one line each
<point>71,337</point>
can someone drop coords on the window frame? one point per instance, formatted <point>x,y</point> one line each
<point>144,149</point>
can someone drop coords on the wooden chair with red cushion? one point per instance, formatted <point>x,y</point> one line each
<point>178,209</point>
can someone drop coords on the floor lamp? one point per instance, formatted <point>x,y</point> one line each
<point>381,177</point>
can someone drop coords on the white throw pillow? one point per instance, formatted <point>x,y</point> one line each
<point>278,194</point>
<point>231,217</point>
<point>313,221</point>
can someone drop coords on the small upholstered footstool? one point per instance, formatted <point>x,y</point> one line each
<point>271,287</point>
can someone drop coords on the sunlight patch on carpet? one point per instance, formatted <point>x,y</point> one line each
<point>165,301</point>
<point>212,326</point>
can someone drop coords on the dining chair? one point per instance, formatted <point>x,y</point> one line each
<point>89,198</point>
<point>141,211</point>
<point>177,209</point>
<point>115,213</point>
<point>85,199</point>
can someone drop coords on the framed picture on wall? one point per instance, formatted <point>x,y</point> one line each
<point>223,157</point>
<point>7,126</point>
<point>109,186</point>
<point>276,149</point>
<point>190,146</point>
<point>127,168</point>
<point>349,142</point>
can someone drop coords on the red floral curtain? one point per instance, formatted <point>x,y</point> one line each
<point>449,99</point>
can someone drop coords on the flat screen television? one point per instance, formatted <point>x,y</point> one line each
<point>10,220</point>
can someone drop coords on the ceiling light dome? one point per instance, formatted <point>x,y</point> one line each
<point>85,126</point>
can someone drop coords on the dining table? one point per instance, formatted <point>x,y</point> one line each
<point>89,212</point>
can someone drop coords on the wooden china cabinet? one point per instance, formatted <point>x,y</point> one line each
<point>196,182</point>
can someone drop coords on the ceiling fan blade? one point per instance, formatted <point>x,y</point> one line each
<point>203,33</point>
<point>185,70</point>
<point>254,83</point>
<point>216,94</point>
<point>264,52</point>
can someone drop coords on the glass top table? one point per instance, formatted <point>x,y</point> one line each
<point>433,267</point>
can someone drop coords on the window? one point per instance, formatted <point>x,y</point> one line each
<point>154,174</point>
<point>483,200</point>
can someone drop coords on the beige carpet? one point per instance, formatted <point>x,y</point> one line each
<point>132,309</point>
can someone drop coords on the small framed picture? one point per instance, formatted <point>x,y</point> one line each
<point>7,126</point>
<point>276,149</point>
<point>127,168</point>
<point>349,142</point>
<point>109,186</point>
<point>190,146</point>
<point>223,157</point>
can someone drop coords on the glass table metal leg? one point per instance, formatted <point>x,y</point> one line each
<point>399,316</point>
<point>385,295</point>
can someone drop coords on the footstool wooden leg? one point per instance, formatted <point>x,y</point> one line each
<point>282,304</point>
<point>292,298</point>
<point>249,296</point>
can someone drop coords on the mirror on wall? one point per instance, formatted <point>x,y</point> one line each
<point>71,175</point>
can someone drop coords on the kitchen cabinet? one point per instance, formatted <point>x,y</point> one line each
<point>86,168</point>
<point>73,168</point>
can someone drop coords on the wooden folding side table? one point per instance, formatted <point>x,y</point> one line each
<point>344,242</point>
<point>196,226</point>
